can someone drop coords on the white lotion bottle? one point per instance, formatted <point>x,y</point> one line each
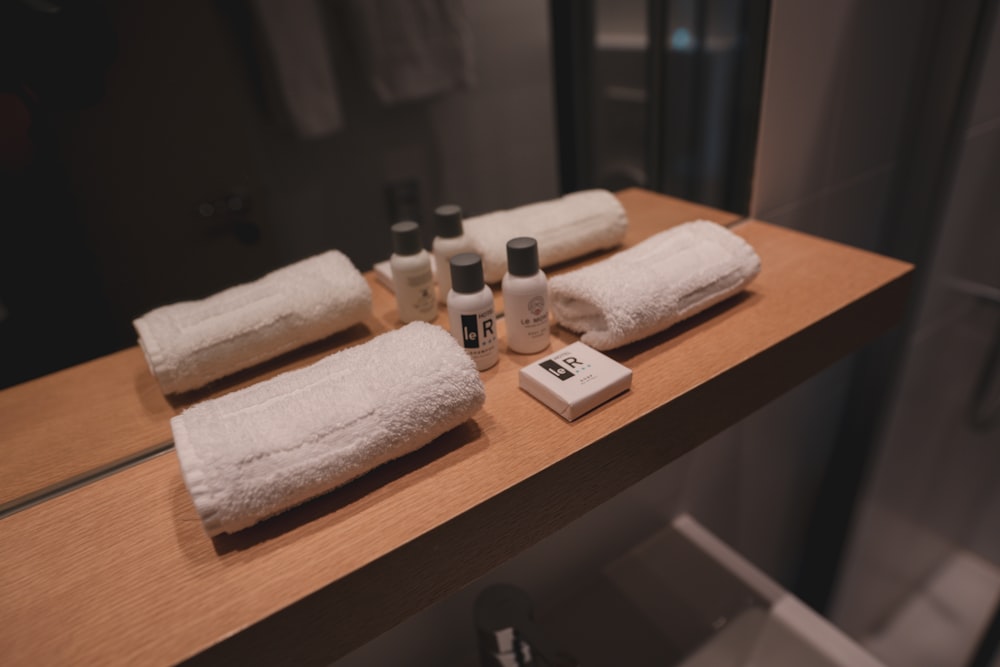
<point>412,278</point>
<point>449,240</point>
<point>525,298</point>
<point>470,310</point>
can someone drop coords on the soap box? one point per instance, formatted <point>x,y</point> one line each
<point>575,380</point>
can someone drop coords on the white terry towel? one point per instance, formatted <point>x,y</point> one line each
<point>653,285</point>
<point>256,452</point>
<point>565,228</point>
<point>189,344</point>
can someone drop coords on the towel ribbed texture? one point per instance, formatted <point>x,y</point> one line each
<point>565,228</point>
<point>256,452</point>
<point>651,286</point>
<point>189,344</point>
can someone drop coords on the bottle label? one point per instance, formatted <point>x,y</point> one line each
<point>477,333</point>
<point>414,293</point>
<point>535,318</point>
<point>527,322</point>
<point>470,331</point>
<point>424,300</point>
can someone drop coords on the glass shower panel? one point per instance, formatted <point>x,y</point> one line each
<point>620,93</point>
<point>701,45</point>
<point>671,91</point>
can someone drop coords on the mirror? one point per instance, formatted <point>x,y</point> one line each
<point>159,152</point>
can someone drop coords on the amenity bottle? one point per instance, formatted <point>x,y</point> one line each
<point>412,278</point>
<point>470,310</point>
<point>525,298</point>
<point>449,240</point>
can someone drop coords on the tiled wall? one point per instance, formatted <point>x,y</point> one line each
<point>488,147</point>
<point>934,492</point>
<point>497,143</point>
<point>835,94</point>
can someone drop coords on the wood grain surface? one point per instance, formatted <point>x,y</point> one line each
<point>120,570</point>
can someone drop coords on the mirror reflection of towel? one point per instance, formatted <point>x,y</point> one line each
<point>294,33</point>
<point>414,49</point>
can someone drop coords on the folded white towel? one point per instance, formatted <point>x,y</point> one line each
<point>189,344</point>
<point>565,228</point>
<point>256,452</point>
<point>645,289</point>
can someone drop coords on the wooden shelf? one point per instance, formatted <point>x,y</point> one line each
<point>120,570</point>
<point>56,437</point>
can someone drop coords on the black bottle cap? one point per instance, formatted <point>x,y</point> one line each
<point>406,238</point>
<point>522,256</point>
<point>467,273</point>
<point>448,221</point>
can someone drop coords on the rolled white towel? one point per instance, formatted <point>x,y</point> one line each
<point>256,452</point>
<point>189,344</point>
<point>651,286</point>
<point>565,228</point>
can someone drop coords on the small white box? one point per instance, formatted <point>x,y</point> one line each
<point>575,380</point>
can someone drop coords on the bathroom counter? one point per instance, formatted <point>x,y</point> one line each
<point>57,438</point>
<point>118,569</point>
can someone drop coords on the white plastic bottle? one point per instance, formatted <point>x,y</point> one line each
<point>449,240</point>
<point>412,278</point>
<point>470,310</point>
<point>525,298</point>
